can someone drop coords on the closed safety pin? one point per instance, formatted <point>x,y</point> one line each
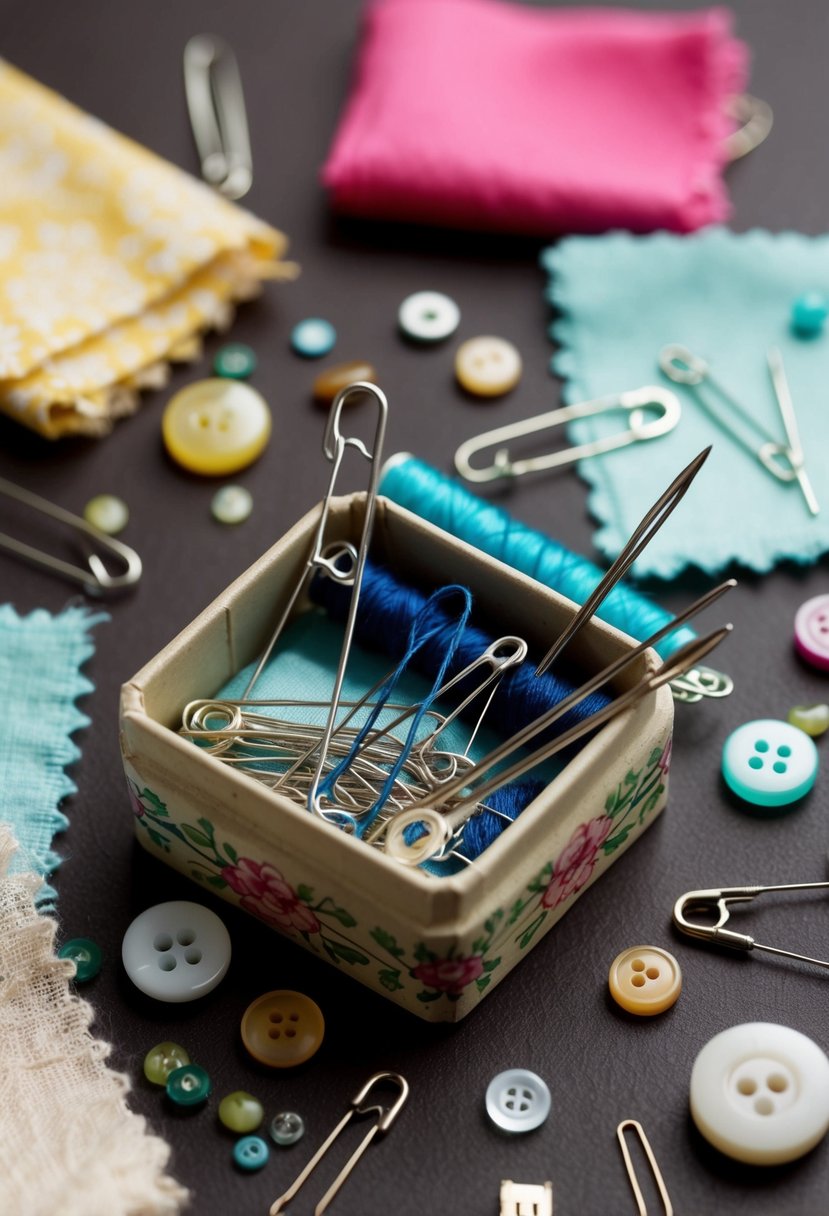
<point>637,402</point>
<point>96,579</point>
<point>717,899</point>
<point>386,1115</point>
<point>216,105</point>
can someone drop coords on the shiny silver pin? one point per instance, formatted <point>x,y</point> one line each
<point>216,104</point>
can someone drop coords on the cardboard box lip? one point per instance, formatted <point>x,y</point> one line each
<point>449,896</point>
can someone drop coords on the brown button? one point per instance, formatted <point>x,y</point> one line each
<point>282,1028</point>
<point>645,980</point>
<point>332,379</point>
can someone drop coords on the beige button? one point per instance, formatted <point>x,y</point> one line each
<point>333,380</point>
<point>487,367</point>
<point>645,980</point>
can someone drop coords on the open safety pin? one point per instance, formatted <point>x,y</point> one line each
<point>216,105</point>
<point>638,403</point>
<point>716,900</point>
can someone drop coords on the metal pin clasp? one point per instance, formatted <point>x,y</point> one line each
<point>216,104</point>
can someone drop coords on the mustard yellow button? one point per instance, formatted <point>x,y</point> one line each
<point>487,367</point>
<point>216,426</point>
<point>645,980</point>
<point>283,1028</point>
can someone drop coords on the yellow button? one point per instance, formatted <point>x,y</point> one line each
<point>645,980</point>
<point>283,1028</point>
<point>216,426</point>
<point>487,367</point>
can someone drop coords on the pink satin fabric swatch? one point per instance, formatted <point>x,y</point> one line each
<point>491,115</point>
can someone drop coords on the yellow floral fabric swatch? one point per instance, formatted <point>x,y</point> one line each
<point>113,262</point>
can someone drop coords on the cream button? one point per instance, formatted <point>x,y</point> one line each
<point>645,980</point>
<point>760,1093</point>
<point>487,367</point>
<point>176,951</point>
<point>428,316</point>
<point>215,427</point>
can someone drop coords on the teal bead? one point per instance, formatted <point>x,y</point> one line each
<point>251,1153</point>
<point>189,1085</point>
<point>86,956</point>
<point>235,361</point>
<point>809,313</point>
<point>313,338</point>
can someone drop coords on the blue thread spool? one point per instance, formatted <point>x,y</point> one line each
<point>413,484</point>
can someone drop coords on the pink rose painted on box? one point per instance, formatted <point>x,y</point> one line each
<point>267,895</point>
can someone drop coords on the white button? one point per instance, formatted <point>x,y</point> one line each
<point>176,951</point>
<point>760,1093</point>
<point>428,316</point>
<point>769,763</point>
<point>517,1100</point>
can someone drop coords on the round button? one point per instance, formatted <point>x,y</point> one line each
<point>487,367</point>
<point>809,313</point>
<point>760,1093</point>
<point>85,954</point>
<point>282,1028</point>
<point>769,763</point>
<point>286,1128</point>
<point>107,513</point>
<point>231,505</point>
<point>313,338</point>
<point>814,719</point>
<point>176,951</point>
<point>428,316</point>
<point>235,361</point>
<point>189,1085</point>
<point>517,1100</point>
<point>215,427</point>
<point>334,379</point>
<point>162,1059</point>
<point>645,980</point>
<point>811,632</point>
<point>241,1112</point>
<point>251,1153</point>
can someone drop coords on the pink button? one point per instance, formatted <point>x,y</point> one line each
<point>811,631</point>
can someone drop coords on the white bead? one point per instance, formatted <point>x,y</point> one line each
<point>231,505</point>
<point>428,316</point>
<point>107,513</point>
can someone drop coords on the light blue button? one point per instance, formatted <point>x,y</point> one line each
<point>313,337</point>
<point>769,763</point>
<point>251,1153</point>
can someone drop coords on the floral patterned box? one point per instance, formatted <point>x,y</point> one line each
<point>436,946</point>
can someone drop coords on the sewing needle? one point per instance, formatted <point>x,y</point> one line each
<point>785,404</point>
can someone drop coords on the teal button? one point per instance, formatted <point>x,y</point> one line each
<point>85,954</point>
<point>251,1153</point>
<point>313,338</point>
<point>235,361</point>
<point>189,1085</point>
<point>769,763</point>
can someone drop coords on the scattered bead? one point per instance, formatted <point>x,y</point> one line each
<point>231,505</point>
<point>813,719</point>
<point>107,513</point>
<point>283,1028</point>
<point>163,1059</point>
<point>286,1128</point>
<point>645,980</point>
<point>428,316</point>
<point>251,1153</point>
<point>487,367</point>
<point>241,1112</point>
<point>769,763</point>
<point>235,361</point>
<point>313,338</point>
<point>809,313</point>
<point>189,1085</point>
<point>811,632</point>
<point>216,427</point>
<point>85,954</point>
<point>333,379</point>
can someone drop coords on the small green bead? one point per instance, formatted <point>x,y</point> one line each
<point>107,513</point>
<point>241,1112</point>
<point>160,1061</point>
<point>235,361</point>
<point>189,1085</point>
<point>86,956</point>
<point>813,719</point>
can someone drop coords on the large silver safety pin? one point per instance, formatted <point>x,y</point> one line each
<point>386,1115</point>
<point>652,411</point>
<point>715,902</point>
<point>216,105</point>
<point>96,578</point>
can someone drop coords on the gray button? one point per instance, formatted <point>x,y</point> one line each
<point>176,951</point>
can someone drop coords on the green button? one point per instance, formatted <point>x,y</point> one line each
<point>189,1085</point>
<point>160,1061</point>
<point>86,956</point>
<point>235,361</point>
<point>241,1112</point>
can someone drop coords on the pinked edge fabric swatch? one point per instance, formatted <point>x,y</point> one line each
<point>68,1142</point>
<point>40,681</point>
<point>727,297</point>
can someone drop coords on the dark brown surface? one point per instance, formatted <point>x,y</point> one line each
<point>122,63</point>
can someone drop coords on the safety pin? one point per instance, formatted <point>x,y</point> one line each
<point>631,1172</point>
<point>386,1115</point>
<point>636,402</point>
<point>756,118</point>
<point>97,579</point>
<point>780,383</point>
<point>717,899</point>
<point>216,104</point>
